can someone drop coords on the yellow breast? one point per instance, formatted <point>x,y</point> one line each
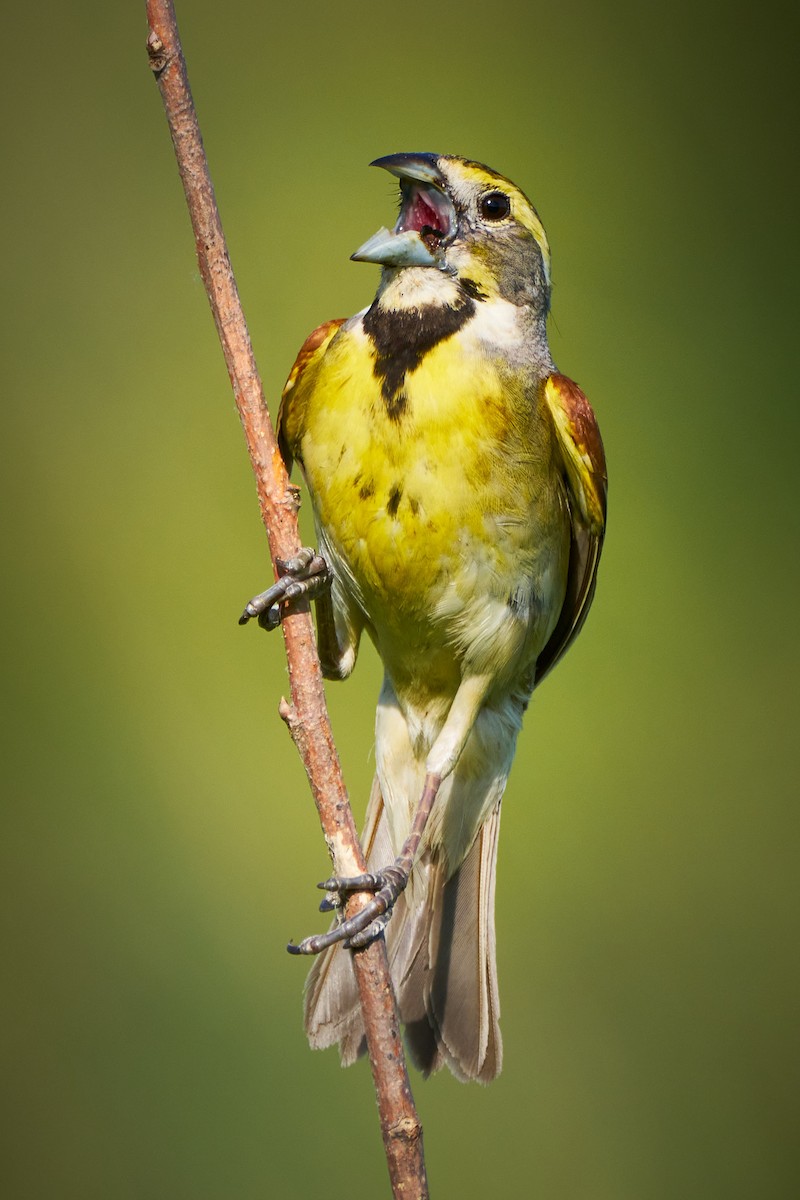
<point>447,505</point>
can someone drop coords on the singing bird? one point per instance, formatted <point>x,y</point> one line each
<point>458,484</point>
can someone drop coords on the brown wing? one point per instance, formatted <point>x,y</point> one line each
<point>585,475</point>
<point>290,413</point>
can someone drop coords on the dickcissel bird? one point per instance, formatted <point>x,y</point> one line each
<point>458,484</point>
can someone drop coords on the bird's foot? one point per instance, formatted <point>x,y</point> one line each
<point>305,575</point>
<point>358,931</point>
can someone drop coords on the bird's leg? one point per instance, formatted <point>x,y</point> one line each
<point>307,574</point>
<point>388,883</point>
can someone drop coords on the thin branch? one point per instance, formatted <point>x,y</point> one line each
<point>307,715</point>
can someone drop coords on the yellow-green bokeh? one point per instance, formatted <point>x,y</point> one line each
<point>159,846</point>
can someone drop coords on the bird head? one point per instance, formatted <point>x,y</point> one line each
<point>466,221</point>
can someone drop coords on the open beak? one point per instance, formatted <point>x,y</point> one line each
<point>427,218</point>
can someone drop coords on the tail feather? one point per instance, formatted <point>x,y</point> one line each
<point>441,948</point>
<point>461,997</point>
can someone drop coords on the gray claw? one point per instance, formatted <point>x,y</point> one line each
<point>307,574</point>
<point>359,940</point>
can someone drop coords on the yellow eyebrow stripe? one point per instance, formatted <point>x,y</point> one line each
<point>522,209</point>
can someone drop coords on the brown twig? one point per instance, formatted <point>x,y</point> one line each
<point>307,715</point>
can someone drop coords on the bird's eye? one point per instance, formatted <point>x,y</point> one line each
<point>494,206</point>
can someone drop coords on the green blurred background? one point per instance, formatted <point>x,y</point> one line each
<point>159,844</point>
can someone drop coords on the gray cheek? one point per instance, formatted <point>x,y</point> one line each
<point>523,281</point>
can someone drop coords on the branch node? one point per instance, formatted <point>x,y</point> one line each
<point>406,1129</point>
<point>156,53</point>
<point>287,713</point>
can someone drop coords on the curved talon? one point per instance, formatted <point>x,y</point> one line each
<point>374,930</point>
<point>265,602</point>
<point>270,619</point>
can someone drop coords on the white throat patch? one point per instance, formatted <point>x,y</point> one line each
<point>418,287</point>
